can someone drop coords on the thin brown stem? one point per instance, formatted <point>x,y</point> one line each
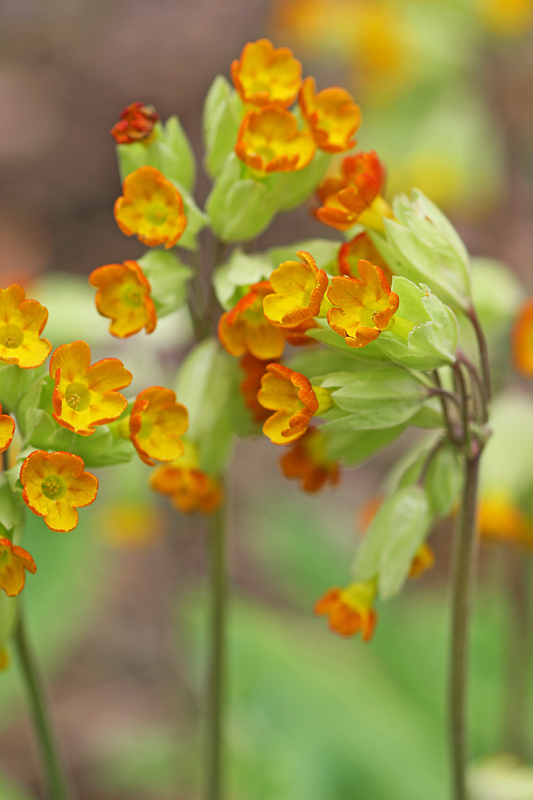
<point>483,354</point>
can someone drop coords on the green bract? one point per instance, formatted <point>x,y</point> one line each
<point>241,270</point>
<point>168,278</point>
<point>223,113</point>
<point>444,479</point>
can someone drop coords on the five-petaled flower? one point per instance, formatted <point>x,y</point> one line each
<point>522,339</point>
<point>21,324</point>
<point>85,395</point>
<point>245,328</point>
<point>55,484</point>
<point>362,308</point>
<point>151,208</point>
<point>13,561</point>
<point>269,141</point>
<point>124,296</point>
<point>298,292</point>
<point>189,487</point>
<point>308,462</point>
<point>354,196</point>
<point>7,430</point>
<point>290,395</point>
<point>350,610</point>
<point>136,124</point>
<point>332,116</point>
<point>265,75</point>
<point>157,423</point>
<point>360,247</point>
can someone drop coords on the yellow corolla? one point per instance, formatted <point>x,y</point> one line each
<point>265,75</point>
<point>246,329</point>
<point>13,561</point>
<point>299,289</point>
<point>307,461</point>
<point>7,430</point>
<point>189,487</point>
<point>350,609</point>
<point>269,141</point>
<point>156,424</point>
<point>124,297</point>
<point>522,339</point>
<point>21,324</point>
<point>332,116</point>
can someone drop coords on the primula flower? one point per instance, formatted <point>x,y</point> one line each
<point>151,208</point>
<point>423,559</point>
<point>354,196</point>
<point>269,141</point>
<point>136,124</point>
<point>254,369</point>
<point>522,340</point>
<point>13,561</point>
<point>298,291</point>
<point>332,116</point>
<point>362,308</point>
<point>55,485</point>
<point>85,395</point>
<point>7,430</point>
<point>245,328</point>
<point>156,424</point>
<point>360,247</point>
<point>350,609</point>
<point>308,462</point>
<point>290,395</point>
<point>124,296</point>
<point>500,518</point>
<point>267,76</point>
<point>190,488</point>
<point>21,324</point>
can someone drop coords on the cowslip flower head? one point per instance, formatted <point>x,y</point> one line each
<point>269,141</point>
<point>501,519</point>
<point>151,208</point>
<point>157,423</point>
<point>7,430</point>
<point>124,297</point>
<point>290,395</point>
<point>265,75</point>
<point>13,561</point>
<point>361,247</point>
<point>307,462</point>
<point>246,329</point>
<point>254,369</point>
<point>362,308</point>
<point>136,124</point>
<point>21,324</point>
<point>85,395</point>
<point>55,485</point>
<point>354,196</point>
<point>190,488</point>
<point>423,559</point>
<point>522,340</point>
<point>298,292</point>
<point>332,116</point>
<point>350,610</point>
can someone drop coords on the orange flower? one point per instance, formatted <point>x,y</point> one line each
<point>13,561</point>
<point>151,208</point>
<point>296,336</point>
<point>124,296</point>
<point>500,518</point>
<point>350,610</point>
<point>294,401</point>
<point>7,430</point>
<point>136,124</point>
<point>522,340</point>
<point>84,395</point>
<point>423,560</point>
<point>362,308</point>
<point>269,141</point>
<point>361,247</point>
<point>190,488</point>
<point>354,196</point>
<point>55,485</point>
<point>267,76</point>
<point>307,461</point>
<point>157,422</point>
<point>298,290</point>
<point>332,116</point>
<point>246,329</point>
<point>21,324</point>
<point>254,369</point>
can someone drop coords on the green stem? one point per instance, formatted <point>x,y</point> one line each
<point>462,592</point>
<point>461,383</point>
<point>483,354</point>
<point>518,637</point>
<point>57,784</point>
<point>215,690</point>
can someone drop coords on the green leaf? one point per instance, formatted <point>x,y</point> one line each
<point>296,187</point>
<point>168,277</point>
<point>444,480</point>
<point>355,446</point>
<point>241,270</point>
<point>14,381</point>
<point>223,113</point>
<point>497,294</point>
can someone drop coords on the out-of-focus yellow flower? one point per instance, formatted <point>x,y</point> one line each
<point>423,560</point>
<point>269,141</point>
<point>290,395</point>
<point>501,519</point>
<point>362,308</point>
<point>246,329</point>
<point>85,395</point>
<point>55,485</point>
<point>350,610</point>
<point>151,208</point>
<point>124,296</point>
<point>21,324</point>
<point>136,124</point>
<point>506,17</point>
<point>130,524</point>
<point>307,461</point>
<point>522,340</point>
<point>157,423</point>
<point>7,430</point>
<point>4,659</point>
<point>267,76</point>
<point>13,561</point>
<point>360,247</point>
<point>332,116</point>
<point>190,488</point>
<point>299,289</point>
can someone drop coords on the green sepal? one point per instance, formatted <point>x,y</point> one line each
<point>318,363</point>
<point>372,351</point>
<point>168,278</point>
<point>294,188</point>
<point>395,534</point>
<point>12,507</point>
<point>429,416</point>
<point>233,278</point>
<point>196,220</point>
<point>223,114</point>
<point>324,251</point>
<point>355,447</point>
<point>8,614</point>
<point>14,381</point>
<point>444,480</point>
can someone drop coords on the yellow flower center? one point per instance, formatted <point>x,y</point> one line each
<point>77,396</point>
<point>11,336</point>
<point>157,214</point>
<point>5,557</point>
<point>132,296</point>
<point>53,487</point>
<point>147,426</point>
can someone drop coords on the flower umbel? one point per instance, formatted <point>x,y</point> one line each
<point>307,461</point>
<point>21,324</point>
<point>55,484</point>
<point>85,395</point>
<point>136,124</point>
<point>246,329</point>
<point>298,291</point>
<point>151,208</point>
<point>332,116</point>
<point>350,610</point>
<point>124,296</point>
<point>267,76</point>
<point>269,141</point>
<point>13,561</point>
<point>156,424</point>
